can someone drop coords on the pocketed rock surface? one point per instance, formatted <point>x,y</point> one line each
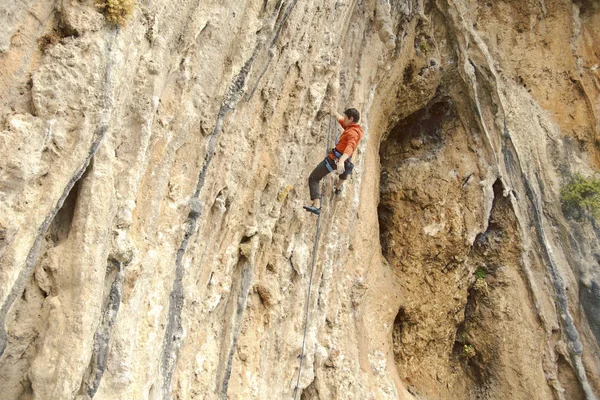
<point>153,243</point>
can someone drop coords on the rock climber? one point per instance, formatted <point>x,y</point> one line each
<point>338,159</point>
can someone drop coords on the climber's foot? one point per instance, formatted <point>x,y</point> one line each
<point>338,191</point>
<point>313,209</point>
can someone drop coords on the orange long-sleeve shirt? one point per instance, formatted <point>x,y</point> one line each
<point>349,139</point>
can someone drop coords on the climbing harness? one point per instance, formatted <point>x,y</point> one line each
<point>328,164</point>
<point>336,153</point>
<point>331,166</point>
<point>348,166</point>
<point>312,268</point>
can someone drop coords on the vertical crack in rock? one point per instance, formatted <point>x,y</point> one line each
<point>33,254</point>
<point>273,42</point>
<point>575,345</point>
<point>102,335</point>
<point>34,251</point>
<point>174,329</point>
<point>242,299</point>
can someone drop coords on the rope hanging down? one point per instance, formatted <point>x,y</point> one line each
<point>312,268</point>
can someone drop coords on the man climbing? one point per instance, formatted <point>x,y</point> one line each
<point>338,159</point>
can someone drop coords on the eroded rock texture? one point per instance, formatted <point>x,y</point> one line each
<point>152,239</point>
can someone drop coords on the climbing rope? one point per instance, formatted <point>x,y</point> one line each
<point>314,256</point>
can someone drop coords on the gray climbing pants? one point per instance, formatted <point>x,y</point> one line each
<point>321,171</point>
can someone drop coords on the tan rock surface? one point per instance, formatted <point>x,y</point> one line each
<point>152,239</point>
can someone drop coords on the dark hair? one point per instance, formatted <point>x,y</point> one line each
<point>353,113</point>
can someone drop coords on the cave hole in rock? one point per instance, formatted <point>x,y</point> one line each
<point>416,138</point>
<point>414,141</point>
<point>414,155</point>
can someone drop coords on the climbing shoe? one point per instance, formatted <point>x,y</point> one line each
<point>338,191</point>
<point>313,209</point>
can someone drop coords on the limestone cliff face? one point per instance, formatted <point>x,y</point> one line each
<point>152,239</point>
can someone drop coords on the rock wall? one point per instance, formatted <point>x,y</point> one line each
<point>152,239</point>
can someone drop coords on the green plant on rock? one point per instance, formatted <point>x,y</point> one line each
<point>582,195</point>
<point>117,11</point>
<point>480,273</point>
<point>468,352</point>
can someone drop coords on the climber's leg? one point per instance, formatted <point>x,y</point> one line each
<point>315,177</point>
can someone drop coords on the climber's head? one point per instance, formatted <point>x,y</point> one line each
<point>352,116</point>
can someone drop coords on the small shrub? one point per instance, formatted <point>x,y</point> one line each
<point>117,11</point>
<point>480,273</point>
<point>581,195</point>
<point>468,352</point>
